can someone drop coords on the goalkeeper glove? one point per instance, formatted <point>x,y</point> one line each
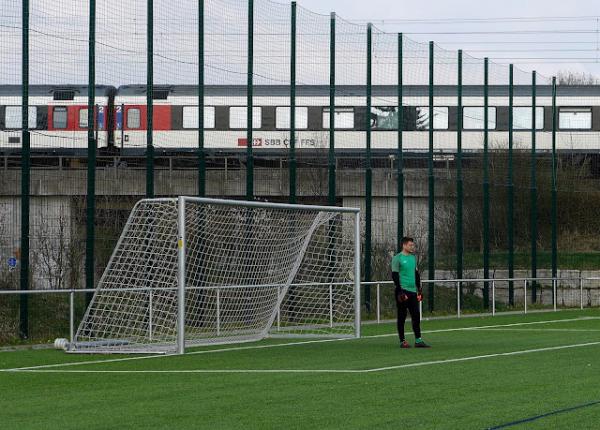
<point>420,296</point>
<point>402,297</point>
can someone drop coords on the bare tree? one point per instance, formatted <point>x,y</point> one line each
<point>57,256</point>
<point>566,77</point>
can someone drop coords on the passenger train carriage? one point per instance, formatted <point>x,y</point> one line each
<point>58,118</point>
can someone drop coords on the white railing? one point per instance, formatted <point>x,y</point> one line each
<point>457,284</point>
<point>151,290</point>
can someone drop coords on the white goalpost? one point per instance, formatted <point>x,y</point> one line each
<point>197,271</point>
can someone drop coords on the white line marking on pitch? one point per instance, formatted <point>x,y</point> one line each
<point>278,345</point>
<point>494,326</point>
<point>374,370</point>
<point>552,330</point>
<point>481,357</point>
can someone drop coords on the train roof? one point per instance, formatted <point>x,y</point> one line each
<point>51,90</point>
<point>358,90</point>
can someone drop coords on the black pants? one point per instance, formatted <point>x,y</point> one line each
<point>411,305</point>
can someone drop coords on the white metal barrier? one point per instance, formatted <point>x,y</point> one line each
<point>330,286</point>
<point>527,282</point>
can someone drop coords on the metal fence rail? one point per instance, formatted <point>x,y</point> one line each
<point>458,284</point>
<point>383,292</point>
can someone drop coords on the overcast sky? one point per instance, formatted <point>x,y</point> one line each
<point>544,35</point>
<point>576,47</point>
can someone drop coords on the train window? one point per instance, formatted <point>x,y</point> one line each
<point>440,118</point>
<point>575,118</point>
<point>344,118</point>
<point>134,118</point>
<point>384,117</point>
<point>12,118</point>
<point>59,117</point>
<point>473,118</point>
<point>83,118</point>
<point>282,117</point>
<point>190,117</point>
<point>522,118</point>
<point>238,117</point>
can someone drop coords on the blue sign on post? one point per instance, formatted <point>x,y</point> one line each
<point>12,263</point>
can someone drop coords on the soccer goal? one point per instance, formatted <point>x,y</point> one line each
<point>196,271</point>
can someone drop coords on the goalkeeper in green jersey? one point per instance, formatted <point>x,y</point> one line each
<point>408,291</point>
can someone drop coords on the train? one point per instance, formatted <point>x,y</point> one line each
<point>58,118</point>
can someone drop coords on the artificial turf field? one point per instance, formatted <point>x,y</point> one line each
<point>536,371</point>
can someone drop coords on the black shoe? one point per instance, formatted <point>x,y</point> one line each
<point>421,344</point>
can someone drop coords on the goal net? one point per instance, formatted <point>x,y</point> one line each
<point>195,271</point>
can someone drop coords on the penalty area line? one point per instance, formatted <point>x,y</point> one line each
<point>542,330</point>
<point>317,371</point>
<point>482,357</point>
<point>495,326</point>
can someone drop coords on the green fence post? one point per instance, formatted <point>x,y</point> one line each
<point>369,174</point>
<point>150,102</point>
<point>250,106</point>
<point>400,155</point>
<point>25,177</point>
<point>486,187</point>
<point>511,189</point>
<point>431,197</point>
<point>331,156</point>
<point>292,165</point>
<point>459,174</point>
<point>533,190</point>
<point>201,107</point>
<point>92,146</point>
<point>554,185</point>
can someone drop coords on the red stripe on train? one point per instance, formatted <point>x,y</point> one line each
<point>161,117</point>
<point>256,141</point>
